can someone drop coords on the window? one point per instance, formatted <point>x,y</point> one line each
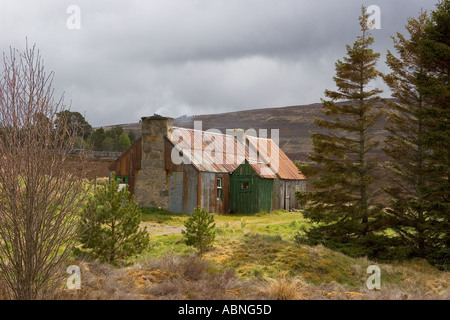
<point>219,189</point>
<point>245,185</point>
<point>122,179</point>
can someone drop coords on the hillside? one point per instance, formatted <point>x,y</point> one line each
<point>294,124</point>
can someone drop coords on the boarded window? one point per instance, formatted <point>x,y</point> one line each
<point>245,185</point>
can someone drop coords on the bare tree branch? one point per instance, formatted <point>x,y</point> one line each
<point>39,198</point>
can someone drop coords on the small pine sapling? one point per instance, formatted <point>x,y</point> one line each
<point>200,230</point>
<point>111,224</point>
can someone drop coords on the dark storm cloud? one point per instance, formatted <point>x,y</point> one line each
<point>134,58</point>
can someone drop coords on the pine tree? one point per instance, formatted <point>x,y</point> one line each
<point>110,224</point>
<point>200,230</point>
<point>409,187</point>
<point>343,176</point>
<point>435,86</point>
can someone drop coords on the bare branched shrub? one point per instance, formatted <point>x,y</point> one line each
<point>39,198</point>
<point>169,263</point>
<point>194,268</point>
<point>187,277</point>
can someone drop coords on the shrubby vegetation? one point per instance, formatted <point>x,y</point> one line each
<point>110,224</point>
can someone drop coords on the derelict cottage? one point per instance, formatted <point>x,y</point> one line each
<point>248,184</point>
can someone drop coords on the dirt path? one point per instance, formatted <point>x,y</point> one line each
<point>156,229</point>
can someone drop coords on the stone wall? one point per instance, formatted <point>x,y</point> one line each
<point>152,181</point>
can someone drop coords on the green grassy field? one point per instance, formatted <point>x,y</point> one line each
<point>261,246</point>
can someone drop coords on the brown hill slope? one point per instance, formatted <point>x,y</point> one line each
<point>294,124</point>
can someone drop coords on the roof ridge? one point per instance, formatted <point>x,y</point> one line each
<point>222,134</point>
<point>205,131</point>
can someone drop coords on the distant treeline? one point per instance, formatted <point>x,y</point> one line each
<point>114,139</point>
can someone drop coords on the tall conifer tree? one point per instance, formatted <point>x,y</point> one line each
<point>435,86</point>
<point>343,202</point>
<point>411,177</point>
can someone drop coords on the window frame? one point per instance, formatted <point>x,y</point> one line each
<point>241,181</point>
<point>219,189</point>
<point>122,177</point>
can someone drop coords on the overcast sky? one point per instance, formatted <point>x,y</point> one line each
<point>173,57</point>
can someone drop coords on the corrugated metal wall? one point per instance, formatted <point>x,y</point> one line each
<point>291,187</point>
<point>284,193</point>
<point>176,192</point>
<point>183,184</point>
<point>223,205</point>
<point>207,192</point>
<point>190,186</point>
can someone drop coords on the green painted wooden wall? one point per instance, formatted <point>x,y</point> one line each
<point>259,197</point>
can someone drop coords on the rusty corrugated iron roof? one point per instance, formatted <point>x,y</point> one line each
<point>195,147</point>
<point>286,170</point>
<point>227,153</point>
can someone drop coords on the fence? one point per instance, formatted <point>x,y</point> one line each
<point>105,154</point>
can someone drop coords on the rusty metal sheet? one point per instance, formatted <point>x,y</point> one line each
<point>197,147</point>
<point>287,170</point>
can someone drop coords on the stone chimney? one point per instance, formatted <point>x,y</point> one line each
<point>152,181</point>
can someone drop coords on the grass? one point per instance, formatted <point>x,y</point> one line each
<point>168,244</point>
<point>260,247</point>
<point>159,215</point>
<point>254,257</point>
<point>285,287</point>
